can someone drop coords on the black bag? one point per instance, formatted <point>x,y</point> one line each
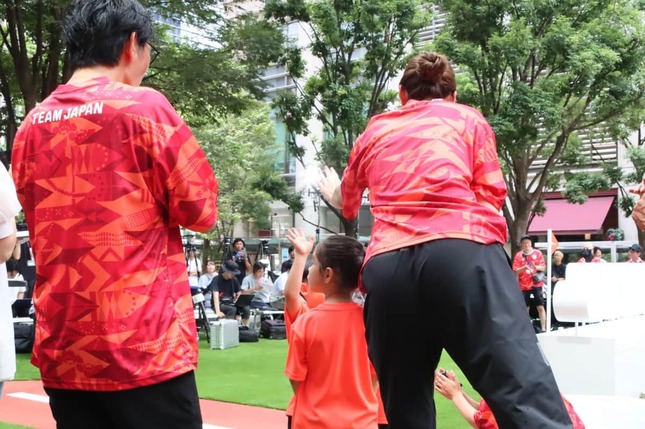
<point>273,329</point>
<point>249,336</point>
<point>24,336</point>
<point>539,278</point>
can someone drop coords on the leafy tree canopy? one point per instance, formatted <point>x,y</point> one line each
<point>357,46</point>
<point>237,147</point>
<point>204,81</point>
<point>544,73</point>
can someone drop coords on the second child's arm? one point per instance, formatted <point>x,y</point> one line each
<point>302,248</point>
<point>447,384</point>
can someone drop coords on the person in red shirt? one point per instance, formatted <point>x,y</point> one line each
<point>529,266</point>
<point>479,415</point>
<point>327,363</point>
<point>106,172</point>
<point>436,257</point>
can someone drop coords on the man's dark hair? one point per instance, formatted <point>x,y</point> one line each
<point>238,240</point>
<point>95,31</point>
<point>257,266</point>
<point>12,265</point>
<point>345,256</point>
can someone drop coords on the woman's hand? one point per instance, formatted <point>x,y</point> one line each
<point>301,245</point>
<point>329,186</point>
<point>640,189</point>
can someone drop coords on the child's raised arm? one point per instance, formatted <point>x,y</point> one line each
<point>302,248</point>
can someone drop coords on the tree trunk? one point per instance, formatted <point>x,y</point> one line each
<point>518,226</point>
<point>350,226</point>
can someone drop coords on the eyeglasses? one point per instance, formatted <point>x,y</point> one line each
<point>154,53</point>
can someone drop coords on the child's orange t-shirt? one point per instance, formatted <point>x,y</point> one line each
<point>328,356</point>
<point>313,299</point>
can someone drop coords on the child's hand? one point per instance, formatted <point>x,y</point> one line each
<point>301,245</point>
<point>447,384</point>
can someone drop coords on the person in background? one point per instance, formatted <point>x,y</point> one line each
<point>635,253</point>
<point>14,274</point>
<point>529,266</point>
<point>327,362</point>
<point>588,254</point>
<point>280,283</point>
<point>478,414</point>
<point>292,256</point>
<point>256,283</point>
<point>9,208</point>
<point>558,272</point>
<point>597,254</point>
<point>193,266</point>
<point>436,254</point>
<point>226,289</point>
<point>107,172</point>
<point>558,267</point>
<point>241,258</point>
<point>206,279</point>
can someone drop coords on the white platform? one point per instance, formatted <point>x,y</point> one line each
<point>605,358</point>
<point>609,412</point>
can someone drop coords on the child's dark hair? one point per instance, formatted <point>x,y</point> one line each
<point>345,256</point>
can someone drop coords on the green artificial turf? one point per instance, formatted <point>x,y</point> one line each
<point>253,374</point>
<point>10,426</point>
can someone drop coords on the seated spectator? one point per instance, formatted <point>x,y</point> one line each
<point>12,274</point>
<point>635,253</point>
<point>479,415</point>
<point>206,279</point>
<point>226,289</point>
<point>281,281</point>
<point>259,285</point>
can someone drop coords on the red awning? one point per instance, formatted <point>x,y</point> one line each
<point>566,218</point>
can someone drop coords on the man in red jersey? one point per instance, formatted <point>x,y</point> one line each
<point>528,264</point>
<point>106,172</point>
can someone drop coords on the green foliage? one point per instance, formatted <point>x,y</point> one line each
<point>545,72</point>
<point>238,147</point>
<point>203,81</point>
<point>358,46</point>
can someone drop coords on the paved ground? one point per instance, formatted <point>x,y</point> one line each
<point>25,403</point>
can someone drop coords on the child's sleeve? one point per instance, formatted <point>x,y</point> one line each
<point>297,357</point>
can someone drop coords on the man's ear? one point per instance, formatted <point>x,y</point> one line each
<point>130,48</point>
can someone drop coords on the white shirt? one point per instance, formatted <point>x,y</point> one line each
<point>280,283</point>
<point>9,207</point>
<point>14,291</point>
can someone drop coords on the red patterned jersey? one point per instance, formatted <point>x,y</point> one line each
<point>106,173</point>
<point>433,173</point>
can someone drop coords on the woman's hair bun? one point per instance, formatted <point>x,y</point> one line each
<point>431,66</point>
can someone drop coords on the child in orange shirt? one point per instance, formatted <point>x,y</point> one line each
<point>297,298</point>
<point>328,366</point>
<point>479,415</point>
